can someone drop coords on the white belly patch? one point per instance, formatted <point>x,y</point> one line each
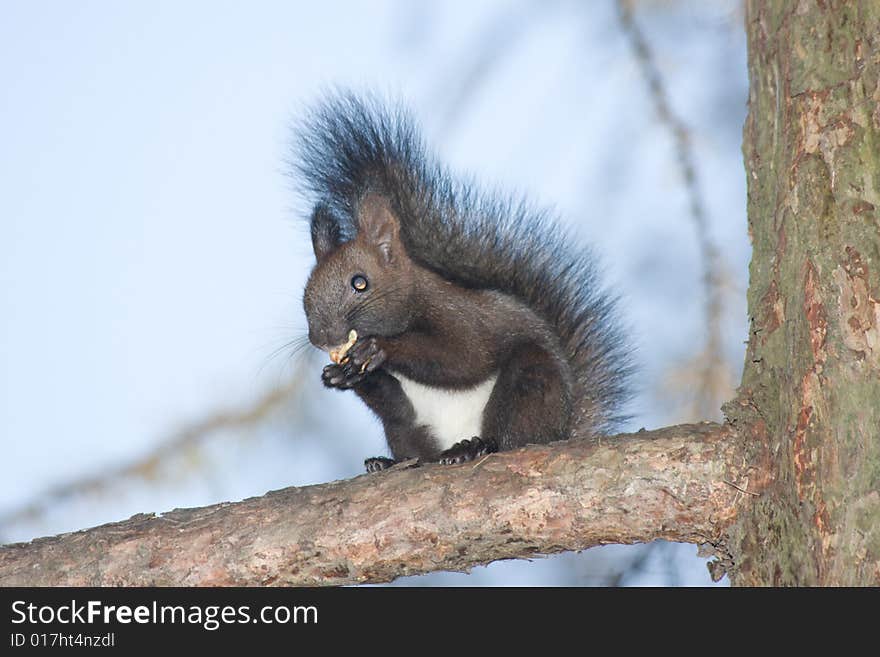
<point>451,415</point>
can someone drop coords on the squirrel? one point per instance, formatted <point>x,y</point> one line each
<point>478,325</point>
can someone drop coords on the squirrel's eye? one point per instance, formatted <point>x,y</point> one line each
<point>359,283</point>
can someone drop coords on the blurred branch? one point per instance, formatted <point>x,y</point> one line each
<point>617,577</point>
<point>572,495</point>
<point>493,43</point>
<point>712,386</point>
<point>149,465</point>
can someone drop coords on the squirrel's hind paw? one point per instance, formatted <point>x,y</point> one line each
<point>378,463</point>
<point>468,450</point>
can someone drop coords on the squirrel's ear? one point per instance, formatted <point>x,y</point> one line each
<point>379,226</point>
<point>325,232</point>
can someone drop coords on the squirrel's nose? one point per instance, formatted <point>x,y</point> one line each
<point>326,338</point>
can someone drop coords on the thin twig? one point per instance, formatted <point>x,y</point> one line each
<point>499,37</point>
<point>146,466</point>
<point>710,256</point>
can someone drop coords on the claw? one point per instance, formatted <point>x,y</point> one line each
<point>468,450</point>
<point>378,463</point>
<point>363,358</point>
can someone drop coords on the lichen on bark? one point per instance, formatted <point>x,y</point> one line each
<point>811,371</point>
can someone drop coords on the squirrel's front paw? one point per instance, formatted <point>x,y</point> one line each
<point>366,356</point>
<point>468,450</point>
<point>332,376</point>
<point>341,376</point>
<point>362,359</point>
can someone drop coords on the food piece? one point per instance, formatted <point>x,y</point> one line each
<point>337,354</point>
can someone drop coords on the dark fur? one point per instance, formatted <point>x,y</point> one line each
<point>464,285</point>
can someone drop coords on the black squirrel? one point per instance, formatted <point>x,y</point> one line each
<point>479,325</point>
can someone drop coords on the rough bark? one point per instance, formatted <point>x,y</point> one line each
<point>811,387</point>
<point>683,483</point>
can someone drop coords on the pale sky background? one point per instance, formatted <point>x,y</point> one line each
<point>152,248</point>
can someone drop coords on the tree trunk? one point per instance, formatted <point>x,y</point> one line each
<point>811,386</point>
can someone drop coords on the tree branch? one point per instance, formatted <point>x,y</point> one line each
<point>681,483</point>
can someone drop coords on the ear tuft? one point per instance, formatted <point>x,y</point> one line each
<point>379,226</point>
<point>325,232</point>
